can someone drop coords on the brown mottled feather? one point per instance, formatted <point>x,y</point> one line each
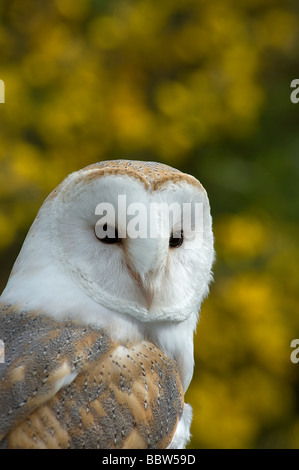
<point>151,174</point>
<point>120,397</point>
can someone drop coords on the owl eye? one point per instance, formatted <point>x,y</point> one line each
<point>176,239</point>
<point>107,234</point>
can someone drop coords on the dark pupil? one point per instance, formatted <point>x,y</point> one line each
<point>176,239</point>
<point>107,234</point>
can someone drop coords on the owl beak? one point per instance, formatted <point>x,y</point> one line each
<point>146,259</point>
<point>144,288</point>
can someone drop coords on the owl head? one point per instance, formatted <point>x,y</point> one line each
<point>134,237</point>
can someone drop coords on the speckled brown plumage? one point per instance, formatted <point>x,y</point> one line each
<point>118,396</point>
<point>153,175</point>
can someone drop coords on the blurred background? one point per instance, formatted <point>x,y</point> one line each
<point>203,86</point>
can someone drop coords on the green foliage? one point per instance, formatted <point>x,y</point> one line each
<point>203,86</point>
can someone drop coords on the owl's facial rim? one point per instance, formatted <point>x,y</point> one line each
<point>144,310</point>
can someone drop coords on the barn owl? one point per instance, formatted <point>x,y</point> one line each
<point>97,322</point>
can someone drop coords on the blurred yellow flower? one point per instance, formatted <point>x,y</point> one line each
<point>241,235</point>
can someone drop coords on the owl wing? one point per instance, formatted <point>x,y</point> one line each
<point>67,386</point>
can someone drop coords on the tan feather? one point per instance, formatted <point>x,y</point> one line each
<point>75,388</point>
